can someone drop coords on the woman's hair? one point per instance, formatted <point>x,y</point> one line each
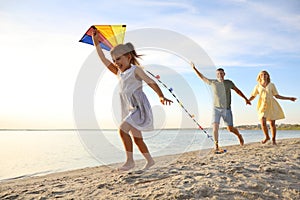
<point>259,79</point>
<point>125,49</point>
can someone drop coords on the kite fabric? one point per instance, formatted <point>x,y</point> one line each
<point>109,35</point>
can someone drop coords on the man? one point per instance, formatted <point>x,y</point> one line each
<point>222,104</point>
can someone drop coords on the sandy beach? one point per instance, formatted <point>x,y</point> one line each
<point>254,171</point>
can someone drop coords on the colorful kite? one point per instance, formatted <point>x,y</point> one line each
<point>109,35</point>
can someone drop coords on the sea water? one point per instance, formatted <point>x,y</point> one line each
<point>31,153</point>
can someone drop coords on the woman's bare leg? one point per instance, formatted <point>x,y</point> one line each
<point>265,130</point>
<point>273,131</point>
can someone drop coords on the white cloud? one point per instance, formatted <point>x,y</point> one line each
<point>281,12</point>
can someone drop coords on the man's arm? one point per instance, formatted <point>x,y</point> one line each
<point>199,74</point>
<point>239,92</point>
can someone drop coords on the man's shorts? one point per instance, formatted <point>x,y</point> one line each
<point>226,115</point>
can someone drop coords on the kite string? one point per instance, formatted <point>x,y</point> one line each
<point>181,104</point>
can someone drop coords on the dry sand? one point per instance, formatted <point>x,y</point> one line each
<point>254,171</point>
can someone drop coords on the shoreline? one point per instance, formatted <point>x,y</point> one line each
<point>283,126</point>
<point>250,172</point>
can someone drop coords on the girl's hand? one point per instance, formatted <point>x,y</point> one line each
<point>94,32</point>
<point>165,101</point>
<point>293,98</point>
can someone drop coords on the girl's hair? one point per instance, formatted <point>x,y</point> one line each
<point>259,79</point>
<point>125,49</point>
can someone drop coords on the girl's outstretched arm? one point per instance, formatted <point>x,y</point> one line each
<point>104,60</point>
<point>285,98</point>
<point>142,75</point>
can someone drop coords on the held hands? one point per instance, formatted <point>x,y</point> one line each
<point>165,101</point>
<point>248,102</point>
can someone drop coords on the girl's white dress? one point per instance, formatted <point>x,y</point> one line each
<point>136,109</point>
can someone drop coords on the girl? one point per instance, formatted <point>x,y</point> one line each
<point>136,109</point>
<point>268,108</point>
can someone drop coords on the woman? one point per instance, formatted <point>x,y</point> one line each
<point>268,108</point>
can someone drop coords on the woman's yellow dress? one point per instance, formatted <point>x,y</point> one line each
<point>267,105</point>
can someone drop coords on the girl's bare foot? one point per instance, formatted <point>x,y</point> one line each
<point>127,166</point>
<point>149,164</point>
<point>265,140</point>
<point>274,142</point>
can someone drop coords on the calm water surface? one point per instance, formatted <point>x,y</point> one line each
<point>30,153</point>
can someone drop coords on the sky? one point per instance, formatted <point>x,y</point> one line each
<point>41,58</point>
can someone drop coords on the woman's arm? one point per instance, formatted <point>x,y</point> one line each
<point>251,98</point>
<point>254,92</point>
<point>142,75</point>
<point>277,96</point>
<point>285,98</point>
<point>101,55</point>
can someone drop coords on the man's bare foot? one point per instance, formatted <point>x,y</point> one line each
<point>149,164</point>
<point>265,140</point>
<point>274,142</point>
<point>216,145</point>
<point>241,139</point>
<point>219,151</point>
<point>127,166</point>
